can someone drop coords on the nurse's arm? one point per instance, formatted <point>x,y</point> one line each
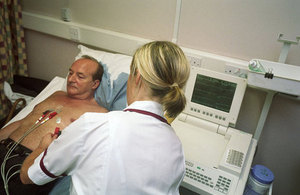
<point>45,142</point>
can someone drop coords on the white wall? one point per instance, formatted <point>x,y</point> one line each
<point>240,29</point>
<point>50,58</point>
<point>147,18</point>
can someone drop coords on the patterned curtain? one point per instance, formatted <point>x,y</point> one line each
<point>12,47</point>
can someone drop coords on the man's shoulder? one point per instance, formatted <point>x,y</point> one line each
<point>52,97</point>
<point>55,96</point>
<point>97,108</point>
<point>59,93</point>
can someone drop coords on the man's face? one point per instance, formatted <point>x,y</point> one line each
<point>80,83</point>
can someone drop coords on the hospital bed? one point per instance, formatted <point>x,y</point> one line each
<point>218,156</point>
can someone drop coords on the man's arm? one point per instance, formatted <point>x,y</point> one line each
<point>6,131</point>
<point>27,163</point>
<point>45,142</point>
<point>9,129</point>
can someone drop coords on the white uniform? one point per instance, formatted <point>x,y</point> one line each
<point>116,153</point>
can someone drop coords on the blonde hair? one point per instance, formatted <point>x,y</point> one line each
<point>165,70</point>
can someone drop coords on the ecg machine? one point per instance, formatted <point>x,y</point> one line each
<point>215,152</point>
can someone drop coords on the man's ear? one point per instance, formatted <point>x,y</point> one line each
<point>96,84</point>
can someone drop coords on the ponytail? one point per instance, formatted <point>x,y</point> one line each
<point>174,102</point>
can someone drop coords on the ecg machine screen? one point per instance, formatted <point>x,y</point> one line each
<point>214,93</point>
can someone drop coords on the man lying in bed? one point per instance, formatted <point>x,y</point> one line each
<point>51,115</point>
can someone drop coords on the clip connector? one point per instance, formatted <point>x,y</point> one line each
<point>269,75</point>
<point>52,114</point>
<point>57,131</point>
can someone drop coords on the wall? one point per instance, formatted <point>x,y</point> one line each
<point>280,147</point>
<point>48,56</point>
<point>148,19</point>
<point>238,29</point>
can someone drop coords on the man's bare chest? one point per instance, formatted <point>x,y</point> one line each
<point>54,114</point>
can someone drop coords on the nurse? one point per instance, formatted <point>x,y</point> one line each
<point>134,151</point>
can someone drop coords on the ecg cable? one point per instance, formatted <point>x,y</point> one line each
<point>47,115</point>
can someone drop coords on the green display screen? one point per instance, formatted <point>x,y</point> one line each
<point>213,93</point>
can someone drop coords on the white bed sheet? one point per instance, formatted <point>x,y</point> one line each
<point>56,84</point>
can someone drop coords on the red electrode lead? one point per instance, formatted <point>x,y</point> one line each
<point>57,131</point>
<point>52,115</point>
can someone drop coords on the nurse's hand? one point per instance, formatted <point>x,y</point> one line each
<point>47,140</point>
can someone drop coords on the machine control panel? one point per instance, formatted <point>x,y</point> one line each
<point>206,180</point>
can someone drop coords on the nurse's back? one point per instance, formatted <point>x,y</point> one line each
<point>147,156</point>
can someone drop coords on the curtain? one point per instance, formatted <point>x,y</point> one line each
<point>13,58</point>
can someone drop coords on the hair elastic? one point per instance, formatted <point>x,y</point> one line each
<point>174,85</point>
